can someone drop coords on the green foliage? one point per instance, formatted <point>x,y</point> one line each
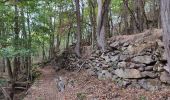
<point>11,52</point>
<point>35,72</point>
<point>81,96</point>
<point>3,82</point>
<point>116,6</point>
<point>142,98</point>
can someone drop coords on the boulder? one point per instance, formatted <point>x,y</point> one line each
<point>128,73</point>
<point>150,84</point>
<point>165,77</point>
<point>148,74</point>
<point>143,59</point>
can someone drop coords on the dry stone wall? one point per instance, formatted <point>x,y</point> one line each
<point>130,61</point>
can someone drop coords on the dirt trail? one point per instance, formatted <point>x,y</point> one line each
<point>44,88</point>
<point>81,86</point>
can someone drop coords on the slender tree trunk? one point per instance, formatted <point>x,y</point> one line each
<point>133,14</point>
<point>43,51</point>
<point>68,37</point>
<point>92,5</point>
<point>125,19</point>
<point>10,74</point>
<point>165,16</point>
<point>25,59</point>
<point>77,48</point>
<point>101,22</point>
<point>16,45</point>
<point>29,77</point>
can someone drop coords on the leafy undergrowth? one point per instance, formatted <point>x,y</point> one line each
<point>36,73</point>
<point>81,86</point>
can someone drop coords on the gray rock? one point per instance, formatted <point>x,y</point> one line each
<point>124,57</point>
<point>104,74</point>
<point>148,74</point>
<point>122,64</point>
<point>143,59</point>
<point>160,43</point>
<point>97,51</point>
<point>130,49</point>
<point>164,57</point>
<point>60,84</point>
<point>114,78</point>
<point>135,66</point>
<point>128,73</point>
<point>132,65</point>
<point>150,84</point>
<point>114,44</point>
<point>165,77</point>
<point>107,58</point>
<point>126,44</point>
<point>114,58</point>
<point>148,68</point>
<point>168,98</point>
<point>135,85</point>
<point>166,68</point>
<point>123,48</point>
<point>141,69</point>
<point>123,83</point>
<point>160,68</point>
<point>97,68</point>
<point>105,66</point>
<point>91,72</point>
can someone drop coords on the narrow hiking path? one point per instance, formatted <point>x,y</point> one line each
<point>81,86</point>
<point>44,88</point>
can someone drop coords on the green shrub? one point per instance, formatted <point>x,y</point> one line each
<point>81,96</point>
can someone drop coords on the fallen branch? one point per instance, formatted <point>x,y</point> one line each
<point>81,66</point>
<point>7,97</point>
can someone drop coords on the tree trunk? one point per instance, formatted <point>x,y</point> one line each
<point>125,19</point>
<point>77,48</point>
<point>92,6</point>
<point>101,22</point>
<point>16,45</point>
<point>133,14</point>
<point>165,16</point>
<point>11,77</point>
<point>29,47</point>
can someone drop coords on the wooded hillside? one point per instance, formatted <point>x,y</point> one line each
<point>122,40</point>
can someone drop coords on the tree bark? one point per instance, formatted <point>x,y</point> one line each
<point>101,22</point>
<point>165,17</point>
<point>77,48</point>
<point>92,6</point>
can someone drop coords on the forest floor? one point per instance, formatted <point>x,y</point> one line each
<point>81,86</point>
